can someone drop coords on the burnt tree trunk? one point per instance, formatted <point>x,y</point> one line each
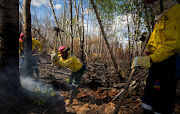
<point>28,68</point>
<point>9,60</point>
<point>71,26</point>
<point>9,35</point>
<point>82,42</point>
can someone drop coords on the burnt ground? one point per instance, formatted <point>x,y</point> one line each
<point>99,88</point>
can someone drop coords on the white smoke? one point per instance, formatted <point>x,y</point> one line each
<point>30,84</point>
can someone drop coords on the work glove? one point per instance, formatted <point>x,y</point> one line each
<point>54,56</point>
<point>141,61</point>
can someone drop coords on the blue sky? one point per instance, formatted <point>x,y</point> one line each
<point>41,7</point>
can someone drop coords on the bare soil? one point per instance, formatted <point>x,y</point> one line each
<point>98,89</point>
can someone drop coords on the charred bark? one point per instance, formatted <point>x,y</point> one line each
<point>9,42</point>
<point>9,33</point>
<point>82,42</point>
<point>71,26</point>
<point>28,69</point>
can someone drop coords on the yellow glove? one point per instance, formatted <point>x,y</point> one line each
<point>54,56</point>
<point>142,61</point>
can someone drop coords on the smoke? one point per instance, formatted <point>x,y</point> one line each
<point>49,95</point>
<point>31,84</point>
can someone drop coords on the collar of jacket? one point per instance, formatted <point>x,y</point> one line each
<point>158,17</point>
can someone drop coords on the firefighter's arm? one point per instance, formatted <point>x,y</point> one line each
<point>58,62</point>
<point>64,63</point>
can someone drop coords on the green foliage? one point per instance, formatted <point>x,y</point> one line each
<point>73,20</point>
<point>108,8</point>
<point>42,96</point>
<point>67,80</point>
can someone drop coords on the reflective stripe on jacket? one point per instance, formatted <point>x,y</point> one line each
<point>71,62</point>
<point>165,39</point>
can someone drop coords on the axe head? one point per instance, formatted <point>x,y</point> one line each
<point>56,29</point>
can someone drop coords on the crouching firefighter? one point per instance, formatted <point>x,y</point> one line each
<point>164,45</point>
<point>71,62</point>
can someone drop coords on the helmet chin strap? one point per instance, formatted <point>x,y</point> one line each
<point>161,5</point>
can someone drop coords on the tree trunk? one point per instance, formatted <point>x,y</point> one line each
<point>87,31</point>
<point>82,42</point>
<point>57,25</point>
<point>71,17</point>
<point>9,64</point>
<point>64,21</point>
<point>105,38</point>
<point>147,17</point>
<point>77,19</point>
<point>28,69</point>
<point>138,18</point>
<point>128,36</point>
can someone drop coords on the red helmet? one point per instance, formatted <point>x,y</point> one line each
<point>21,35</point>
<point>62,50</point>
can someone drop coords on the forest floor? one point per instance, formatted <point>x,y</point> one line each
<point>99,89</point>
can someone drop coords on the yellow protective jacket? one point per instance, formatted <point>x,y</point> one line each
<point>71,62</point>
<point>165,38</point>
<point>35,44</point>
<point>20,46</point>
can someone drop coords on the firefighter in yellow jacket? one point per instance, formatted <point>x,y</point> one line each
<point>36,50</point>
<point>164,45</point>
<point>21,53</point>
<point>71,62</point>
